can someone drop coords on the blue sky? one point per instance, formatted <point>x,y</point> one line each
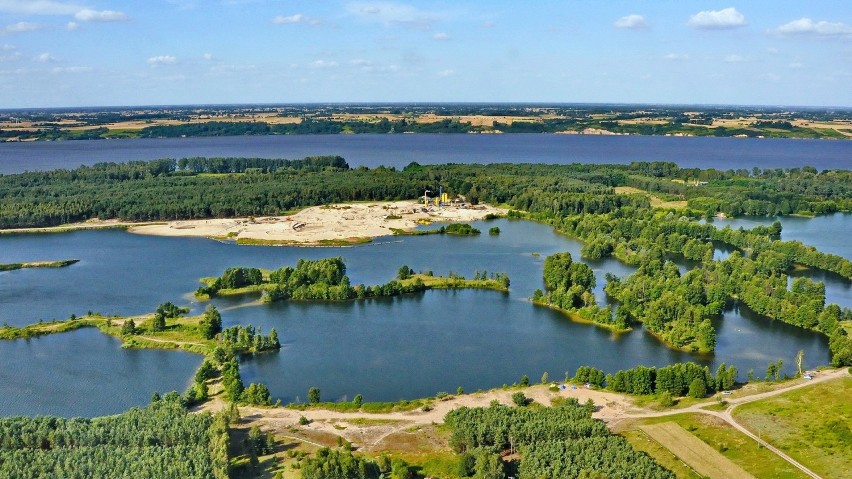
<point>56,53</point>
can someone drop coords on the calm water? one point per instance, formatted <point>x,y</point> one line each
<point>385,349</point>
<point>85,373</point>
<point>399,150</point>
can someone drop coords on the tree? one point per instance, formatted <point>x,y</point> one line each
<point>404,273</point>
<point>314,395</point>
<point>488,466</point>
<point>158,323</point>
<point>697,388</point>
<point>545,377</point>
<point>128,328</point>
<point>211,323</point>
<point>519,398</point>
<point>525,380</point>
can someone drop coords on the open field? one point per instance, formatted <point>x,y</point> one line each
<point>718,436</point>
<point>656,201</point>
<point>701,457</point>
<point>810,424</point>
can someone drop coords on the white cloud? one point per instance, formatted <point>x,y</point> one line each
<point>89,15</point>
<point>38,7</point>
<point>207,56</point>
<point>9,53</point>
<point>71,69</point>
<point>44,58</point>
<point>162,60</point>
<point>677,56</point>
<point>631,22</point>
<point>441,36</point>
<point>393,14</point>
<point>734,58</point>
<point>71,26</point>
<point>796,65</point>
<point>717,19</point>
<point>294,19</point>
<point>446,73</point>
<point>323,64</point>
<point>806,26</point>
<point>19,27</point>
<point>285,20</point>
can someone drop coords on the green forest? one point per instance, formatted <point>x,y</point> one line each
<point>157,441</point>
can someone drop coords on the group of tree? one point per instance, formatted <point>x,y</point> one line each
<point>569,286</point>
<point>561,441</point>
<point>249,340</point>
<point>160,440</point>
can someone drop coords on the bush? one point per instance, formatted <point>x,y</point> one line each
<point>519,399</point>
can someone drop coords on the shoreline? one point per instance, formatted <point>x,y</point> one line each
<point>338,224</point>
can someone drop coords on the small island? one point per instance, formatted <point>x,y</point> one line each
<point>38,264</point>
<point>326,280</point>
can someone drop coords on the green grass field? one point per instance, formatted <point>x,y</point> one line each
<point>742,450</point>
<point>810,424</point>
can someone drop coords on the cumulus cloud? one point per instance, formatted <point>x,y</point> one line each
<point>323,64</point>
<point>631,22</point>
<point>805,26</point>
<point>207,56</point>
<point>441,36</point>
<point>71,69</point>
<point>9,53</point>
<point>162,60</point>
<point>38,7</point>
<point>393,14</point>
<point>285,20</point>
<point>446,73</point>
<point>44,58</point>
<point>717,19</point>
<point>20,27</point>
<point>676,56</point>
<point>734,58</point>
<point>294,19</point>
<point>89,15</point>
<point>71,26</point>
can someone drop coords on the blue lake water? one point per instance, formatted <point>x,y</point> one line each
<point>404,347</point>
<point>400,150</point>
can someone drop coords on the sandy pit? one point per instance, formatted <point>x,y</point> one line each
<point>342,223</point>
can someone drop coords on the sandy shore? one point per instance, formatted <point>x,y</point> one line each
<point>350,222</point>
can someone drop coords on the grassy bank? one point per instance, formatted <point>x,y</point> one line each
<point>180,333</point>
<point>575,317</point>
<point>38,264</point>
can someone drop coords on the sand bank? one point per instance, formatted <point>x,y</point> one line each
<point>340,223</point>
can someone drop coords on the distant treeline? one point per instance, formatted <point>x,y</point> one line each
<point>171,189</point>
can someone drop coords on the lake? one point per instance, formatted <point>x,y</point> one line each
<point>404,347</point>
<point>400,150</point>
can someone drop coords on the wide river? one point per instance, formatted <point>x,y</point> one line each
<point>400,150</point>
<point>405,347</point>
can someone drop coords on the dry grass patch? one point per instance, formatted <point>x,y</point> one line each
<point>656,201</point>
<point>694,452</point>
